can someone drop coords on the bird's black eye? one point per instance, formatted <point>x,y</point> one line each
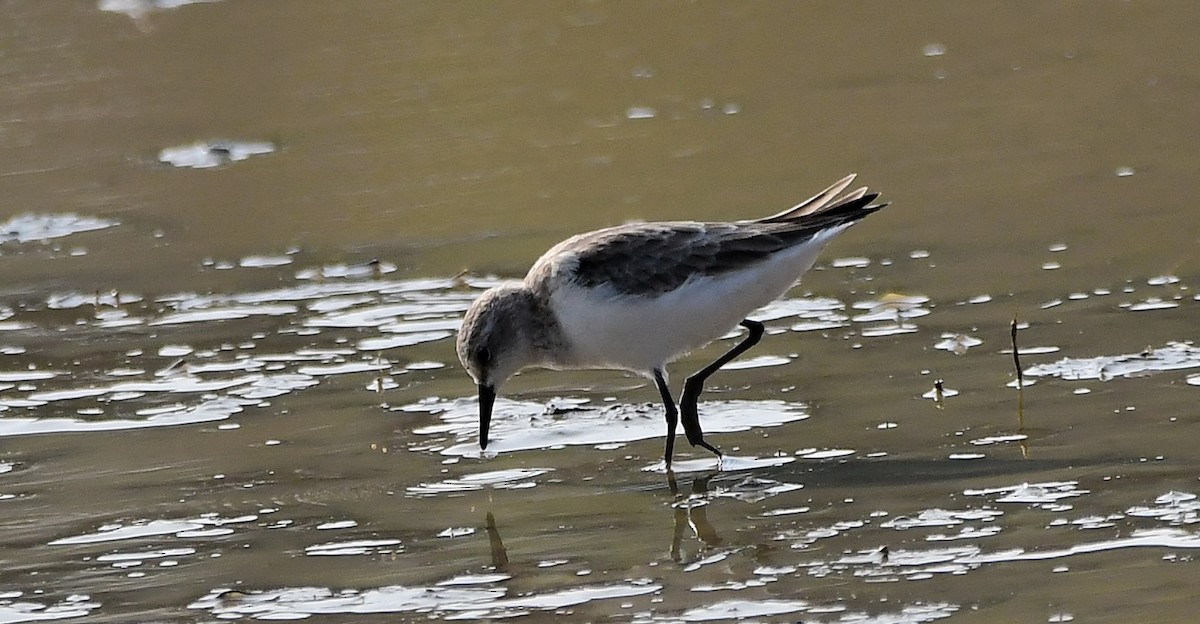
<point>483,355</point>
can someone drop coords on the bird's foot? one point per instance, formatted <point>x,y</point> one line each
<point>705,445</point>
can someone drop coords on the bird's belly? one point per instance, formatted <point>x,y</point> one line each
<point>636,334</point>
<point>643,333</point>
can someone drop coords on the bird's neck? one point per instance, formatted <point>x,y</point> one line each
<point>542,332</point>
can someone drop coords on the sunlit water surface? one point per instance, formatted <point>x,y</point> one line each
<point>236,247</point>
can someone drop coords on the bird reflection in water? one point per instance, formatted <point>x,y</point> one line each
<point>690,510</point>
<point>499,552</point>
<point>691,513</point>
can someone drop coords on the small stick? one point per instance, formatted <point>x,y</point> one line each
<point>1017,356</point>
<point>1020,387</point>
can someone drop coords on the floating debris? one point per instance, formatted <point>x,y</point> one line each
<point>371,269</point>
<point>138,9</point>
<point>1174,356</point>
<point>42,227</point>
<point>999,439</point>
<point>640,112</point>
<point>260,262</point>
<point>26,610</point>
<point>817,313</point>
<point>941,518</point>
<point>1033,350</point>
<point>1151,303</point>
<point>726,463</point>
<point>742,609</point>
<point>209,154</point>
<point>957,343</point>
<point>893,307</point>
<point>939,392</point>
<point>206,525</point>
<point>475,601</point>
<point>336,525</point>
<point>1032,493</point>
<point>1163,280</point>
<point>761,361</point>
<point>1174,507</point>
<point>513,479</point>
<point>855,262</point>
<point>355,547</point>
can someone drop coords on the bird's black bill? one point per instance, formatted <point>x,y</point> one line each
<point>487,396</point>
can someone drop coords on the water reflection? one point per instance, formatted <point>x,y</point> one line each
<point>16,607</point>
<point>1173,356</point>
<point>40,228</point>
<point>690,515</point>
<point>455,598</point>
<point>496,544</point>
<point>140,10</point>
<point>209,154</point>
<point>337,320</point>
<point>178,383</point>
<point>528,425</point>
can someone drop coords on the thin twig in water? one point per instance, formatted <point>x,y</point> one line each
<point>1017,356</point>
<point>1020,387</point>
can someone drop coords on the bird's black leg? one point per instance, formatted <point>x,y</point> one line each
<point>671,413</point>
<point>695,384</point>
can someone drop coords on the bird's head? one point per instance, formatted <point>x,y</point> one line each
<point>494,343</point>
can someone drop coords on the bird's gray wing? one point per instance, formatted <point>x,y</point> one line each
<point>653,258</point>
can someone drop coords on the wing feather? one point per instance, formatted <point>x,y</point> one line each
<point>655,258</point>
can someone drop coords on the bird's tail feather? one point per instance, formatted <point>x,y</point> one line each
<point>822,210</point>
<point>812,204</point>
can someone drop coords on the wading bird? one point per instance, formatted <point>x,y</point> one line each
<point>636,297</point>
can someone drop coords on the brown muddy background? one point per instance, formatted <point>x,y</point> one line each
<point>212,407</point>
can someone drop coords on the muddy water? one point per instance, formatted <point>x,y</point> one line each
<point>237,237</point>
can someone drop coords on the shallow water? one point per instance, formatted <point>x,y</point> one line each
<point>237,242</point>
